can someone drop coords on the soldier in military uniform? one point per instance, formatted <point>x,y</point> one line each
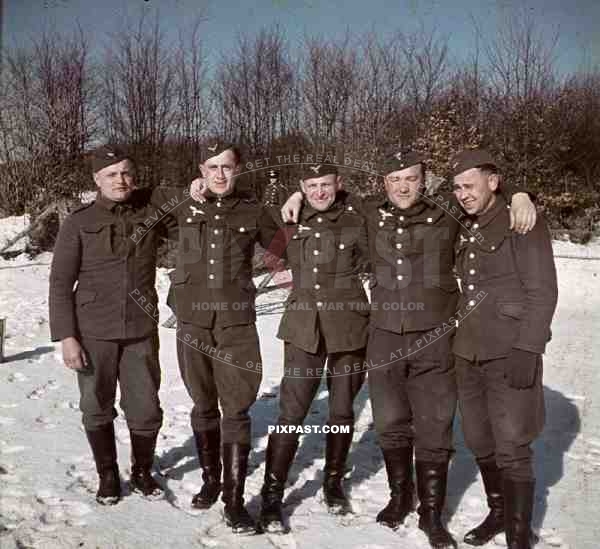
<point>508,298</point>
<point>412,384</point>
<point>275,191</point>
<point>217,342</point>
<point>105,335</point>
<point>324,328</point>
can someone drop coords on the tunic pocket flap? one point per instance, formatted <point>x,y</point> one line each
<point>84,296</point>
<point>181,276</point>
<point>514,310</point>
<point>94,228</point>
<point>448,284</point>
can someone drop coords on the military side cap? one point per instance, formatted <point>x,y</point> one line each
<point>313,170</point>
<point>215,147</point>
<point>393,161</point>
<point>471,158</point>
<point>106,156</point>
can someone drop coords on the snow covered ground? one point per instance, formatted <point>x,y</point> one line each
<point>47,477</point>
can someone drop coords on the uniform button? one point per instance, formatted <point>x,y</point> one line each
<point>242,229</point>
<point>471,255</point>
<point>430,220</point>
<point>315,252</point>
<point>381,223</point>
<point>319,304</point>
<point>398,245</point>
<point>401,218</point>
<point>211,276</point>
<point>211,261</point>
<point>400,230</point>
<point>218,204</point>
<point>476,225</point>
<point>471,286</point>
<point>341,246</point>
<point>472,303</point>
<point>471,271</point>
<point>317,286</point>
<point>216,231</point>
<point>217,216</point>
<point>399,277</point>
<point>399,261</point>
<point>315,269</point>
<point>189,219</point>
<point>213,245</point>
<point>317,235</point>
<point>350,208</point>
<point>471,239</point>
<point>319,220</point>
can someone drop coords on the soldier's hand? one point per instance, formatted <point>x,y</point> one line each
<point>522,213</point>
<point>522,368</point>
<point>197,189</point>
<point>73,354</point>
<point>291,209</point>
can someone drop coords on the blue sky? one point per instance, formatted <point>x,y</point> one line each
<point>577,20</point>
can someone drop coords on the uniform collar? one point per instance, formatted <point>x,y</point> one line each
<point>487,217</point>
<point>229,200</point>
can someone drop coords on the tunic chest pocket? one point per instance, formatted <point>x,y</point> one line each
<point>97,239</point>
<point>242,232</point>
<point>144,239</point>
<point>511,310</point>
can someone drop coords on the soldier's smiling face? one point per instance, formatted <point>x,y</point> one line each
<point>475,189</point>
<point>116,182</point>
<point>220,171</point>
<point>320,191</point>
<point>404,187</point>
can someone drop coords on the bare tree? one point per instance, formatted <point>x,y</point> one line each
<point>520,102</point>
<point>140,91</point>
<point>426,59</point>
<point>45,118</point>
<point>378,93</point>
<point>328,79</point>
<point>192,101</point>
<point>254,91</point>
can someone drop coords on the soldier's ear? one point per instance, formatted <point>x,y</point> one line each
<point>95,177</point>
<point>493,182</point>
<point>339,183</point>
<point>302,186</point>
<point>203,171</point>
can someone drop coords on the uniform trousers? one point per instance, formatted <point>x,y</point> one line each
<point>412,387</point>
<point>134,364</point>
<point>498,420</point>
<point>222,366</point>
<point>344,373</point>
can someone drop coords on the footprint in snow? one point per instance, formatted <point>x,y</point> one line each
<point>39,392</point>
<point>17,376</point>
<point>45,422</point>
<point>69,404</point>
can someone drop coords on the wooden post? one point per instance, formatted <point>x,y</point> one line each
<point>2,332</point>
